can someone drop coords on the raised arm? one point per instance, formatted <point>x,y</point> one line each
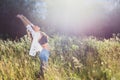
<point>22,19</point>
<point>28,21</point>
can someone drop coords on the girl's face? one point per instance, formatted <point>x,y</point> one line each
<point>36,28</point>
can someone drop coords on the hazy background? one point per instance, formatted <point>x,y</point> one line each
<point>100,18</point>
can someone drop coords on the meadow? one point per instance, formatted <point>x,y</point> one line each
<point>71,58</point>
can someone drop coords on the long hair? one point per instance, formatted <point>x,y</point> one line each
<point>44,38</point>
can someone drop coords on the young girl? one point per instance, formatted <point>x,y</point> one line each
<point>39,43</point>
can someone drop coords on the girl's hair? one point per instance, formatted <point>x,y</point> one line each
<point>44,38</point>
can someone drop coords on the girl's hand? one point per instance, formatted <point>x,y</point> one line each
<point>19,16</point>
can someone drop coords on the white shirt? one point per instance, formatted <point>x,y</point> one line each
<point>35,46</point>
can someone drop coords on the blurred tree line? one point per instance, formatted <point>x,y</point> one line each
<point>10,25</point>
<point>36,11</point>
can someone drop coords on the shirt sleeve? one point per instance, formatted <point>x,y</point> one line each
<point>35,47</point>
<point>30,29</point>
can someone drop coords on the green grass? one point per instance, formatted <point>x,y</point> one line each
<point>71,58</point>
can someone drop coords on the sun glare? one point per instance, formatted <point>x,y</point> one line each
<point>78,14</point>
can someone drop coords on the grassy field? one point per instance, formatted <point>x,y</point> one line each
<point>71,58</point>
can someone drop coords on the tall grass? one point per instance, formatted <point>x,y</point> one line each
<point>71,58</point>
